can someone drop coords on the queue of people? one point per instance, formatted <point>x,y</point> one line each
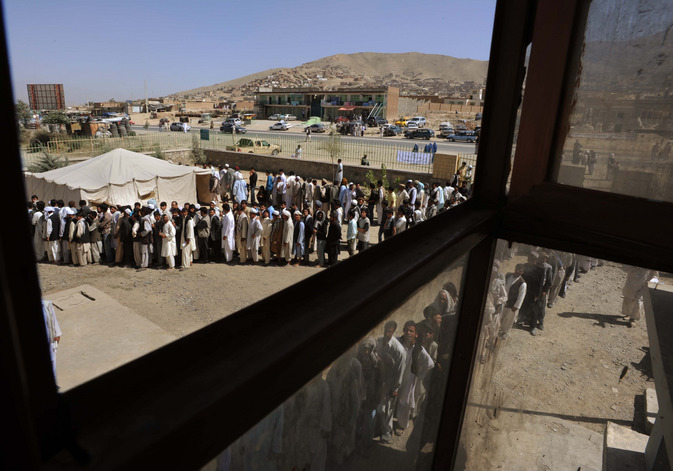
<point>283,221</point>
<point>392,379</point>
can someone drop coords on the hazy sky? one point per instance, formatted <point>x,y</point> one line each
<point>102,50</point>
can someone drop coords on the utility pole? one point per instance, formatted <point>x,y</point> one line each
<point>147,106</point>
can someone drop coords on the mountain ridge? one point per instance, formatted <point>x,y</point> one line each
<point>412,72</point>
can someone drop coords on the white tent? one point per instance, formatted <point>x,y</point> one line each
<point>121,177</point>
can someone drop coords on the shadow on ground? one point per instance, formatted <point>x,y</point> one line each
<point>602,320</point>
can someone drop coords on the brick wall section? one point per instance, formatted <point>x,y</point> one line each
<point>305,168</point>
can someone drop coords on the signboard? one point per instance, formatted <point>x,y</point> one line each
<point>408,157</point>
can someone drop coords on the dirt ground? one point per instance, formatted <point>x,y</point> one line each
<point>182,302</point>
<point>571,371</point>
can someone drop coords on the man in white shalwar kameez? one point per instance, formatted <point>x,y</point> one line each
<point>63,241</point>
<point>421,362</point>
<point>239,190</point>
<point>392,355</point>
<point>83,245</point>
<point>169,247</point>
<point>242,223</point>
<point>308,198</point>
<point>38,221</point>
<point>288,236</point>
<point>72,239</point>
<point>228,240</point>
<point>267,226</point>
<point>188,241</point>
<point>53,331</point>
<point>289,190</point>
<point>254,235</point>
<point>633,291</point>
<point>51,233</point>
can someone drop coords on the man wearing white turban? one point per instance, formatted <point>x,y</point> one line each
<point>169,248</point>
<point>228,225</point>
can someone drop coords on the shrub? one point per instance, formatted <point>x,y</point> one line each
<point>158,152</point>
<point>47,162</point>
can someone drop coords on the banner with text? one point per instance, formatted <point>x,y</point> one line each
<point>408,157</point>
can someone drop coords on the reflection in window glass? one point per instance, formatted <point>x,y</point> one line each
<point>620,126</point>
<point>376,407</point>
<point>563,351</point>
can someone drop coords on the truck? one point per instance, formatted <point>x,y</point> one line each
<point>255,146</point>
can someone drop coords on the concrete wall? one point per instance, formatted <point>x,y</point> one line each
<point>306,168</point>
<point>417,106</point>
<point>409,106</point>
<point>392,103</point>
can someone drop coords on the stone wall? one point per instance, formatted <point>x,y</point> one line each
<point>306,168</point>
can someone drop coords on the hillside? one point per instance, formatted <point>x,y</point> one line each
<point>412,72</point>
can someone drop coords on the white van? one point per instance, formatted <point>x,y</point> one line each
<point>445,129</point>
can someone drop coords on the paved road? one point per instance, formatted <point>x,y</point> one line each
<point>443,146</point>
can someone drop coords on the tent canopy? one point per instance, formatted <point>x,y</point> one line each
<point>121,177</point>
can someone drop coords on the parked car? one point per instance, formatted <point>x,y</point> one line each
<point>478,117</point>
<point>288,117</point>
<point>402,122</point>
<point>391,130</point>
<point>255,146</point>
<point>446,129</point>
<point>316,127</point>
<point>341,119</point>
<point>274,117</point>
<point>280,126</point>
<point>375,121</point>
<point>462,136</point>
<point>228,127</point>
<point>419,134</point>
<point>184,127</point>
<point>411,125</point>
<point>235,121</point>
<point>419,120</point>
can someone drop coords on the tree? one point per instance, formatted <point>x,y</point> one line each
<point>23,114</point>
<point>373,179</point>
<point>57,117</point>
<point>334,148</point>
<point>198,155</point>
<point>47,162</point>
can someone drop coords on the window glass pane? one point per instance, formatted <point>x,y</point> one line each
<point>547,380</point>
<point>377,406</point>
<point>620,126</point>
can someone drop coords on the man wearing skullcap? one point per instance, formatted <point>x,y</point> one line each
<point>242,224</point>
<point>267,226</point>
<point>168,244</point>
<point>254,235</point>
<point>288,237</point>
<point>82,239</point>
<point>298,238</point>
<point>228,238</point>
<point>51,231</point>
<point>188,241</point>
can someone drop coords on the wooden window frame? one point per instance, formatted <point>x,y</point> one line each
<point>173,407</point>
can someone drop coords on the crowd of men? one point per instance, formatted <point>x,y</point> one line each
<point>522,297</point>
<point>370,393</point>
<point>284,221</point>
